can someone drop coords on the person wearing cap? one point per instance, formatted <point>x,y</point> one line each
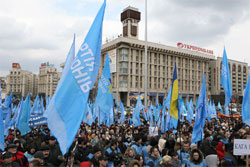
<point>55,153</point>
<point>7,160</point>
<point>96,155</point>
<point>103,161</point>
<point>46,153</point>
<point>39,156</point>
<point>17,155</point>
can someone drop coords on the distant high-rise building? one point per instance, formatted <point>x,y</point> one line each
<point>20,82</point>
<point>48,78</point>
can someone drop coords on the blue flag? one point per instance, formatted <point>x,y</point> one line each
<point>1,130</point>
<point>209,111</point>
<point>69,103</point>
<point>190,107</point>
<point>200,114</point>
<point>23,123</point>
<point>226,111</point>
<point>59,110</point>
<point>104,98</point>
<point>219,106</point>
<point>139,104</point>
<point>163,121</point>
<point>7,123</point>
<point>121,107</point>
<point>88,118</point>
<point>47,101</point>
<point>214,111</point>
<point>136,117</point>
<point>167,101</point>
<point>35,108</point>
<point>246,104</point>
<point>226,79</point>
<point>0,94</point>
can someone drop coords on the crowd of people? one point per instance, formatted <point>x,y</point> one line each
<point>124,145</point>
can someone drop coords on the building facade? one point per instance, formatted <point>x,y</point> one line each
<point>48,78</point>
<point>127,56</point>
<point>21,82</point>
<point>3,87</point>
<point>239,75</point>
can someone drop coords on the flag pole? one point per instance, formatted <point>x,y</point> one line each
<point>146,58</point>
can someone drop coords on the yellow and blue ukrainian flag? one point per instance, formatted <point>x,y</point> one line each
<point>174,96</point>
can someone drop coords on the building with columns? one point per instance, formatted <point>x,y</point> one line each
<point>239,75</point>
<point>128,65</point>
<point>21,82</point>
<point>48,78</point>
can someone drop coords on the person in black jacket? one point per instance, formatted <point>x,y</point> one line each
<point>206,147</point>
<point>97,154</point>
<point>82,151</point>
<point>54,152</point>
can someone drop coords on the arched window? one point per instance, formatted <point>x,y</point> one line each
<point>234,67</point>
<point>239,68</point>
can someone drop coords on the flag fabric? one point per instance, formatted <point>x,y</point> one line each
<point>174,96</point>
<point>35,108</point>
<point>122,118</point>
<point>23,123</point>
<point>214,111</point>
<point>41,109</point>
<point>110,119</point>
<point>139,104</point>
<point>59,110</point>
<point>104,98</point>
<point>68,105</point>
<point>1,130</point>
<point>70,99</point>
<point>246,104</point>
<point>88,118</point>
<point>0,94</point>
<point>200,114</point>
<point>163,121</point>
<point>190,115</point>
<point>167,101</point>
<point>209,111</point>
<point>136,117</point>
<point>6,105</point>
<point>16,116</point>
<point>150,115</point>
<point>226,79</point>
<point>226,111</point>
<point>219,106</point>
<point>47,101</point>
<point>7,123</point>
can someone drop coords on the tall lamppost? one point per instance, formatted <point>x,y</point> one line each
<point>146,58</point>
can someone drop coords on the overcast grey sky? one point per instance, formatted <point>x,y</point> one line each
<point>37,31</point>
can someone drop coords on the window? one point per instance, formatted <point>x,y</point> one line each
<point>124,54</point>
